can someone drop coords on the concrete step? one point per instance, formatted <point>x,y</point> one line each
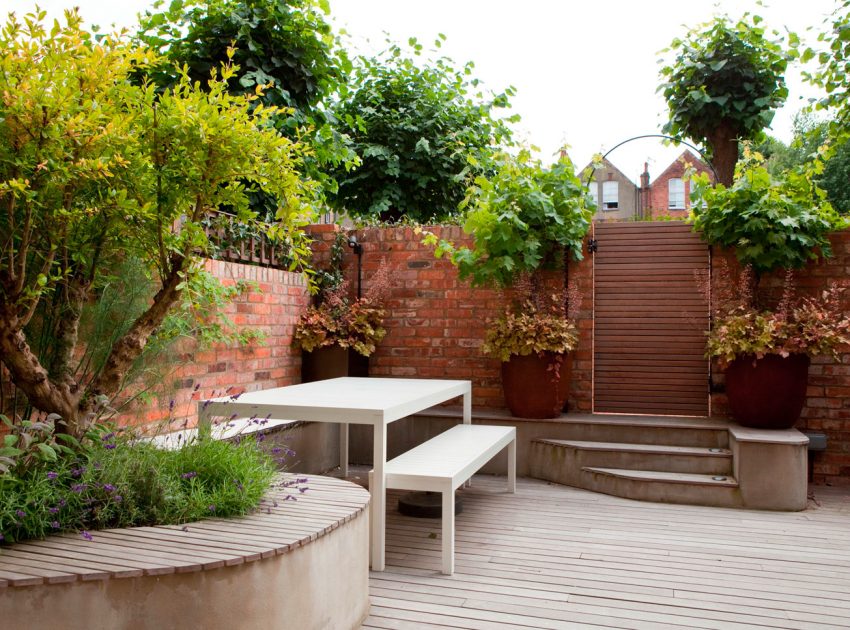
<point>586,427</point>
<point>663,486</point>
<point>562,460</point>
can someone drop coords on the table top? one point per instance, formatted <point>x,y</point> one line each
<point>347,399</point>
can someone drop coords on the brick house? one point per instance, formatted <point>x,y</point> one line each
<point>617,197</point>
<point>670,193</point>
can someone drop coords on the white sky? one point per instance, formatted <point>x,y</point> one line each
<point>585,71</point>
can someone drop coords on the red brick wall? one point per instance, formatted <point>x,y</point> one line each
<point>828,403</point>
<point>437,323</point>
<point>274,310</point>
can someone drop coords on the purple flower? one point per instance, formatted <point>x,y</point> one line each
<point>76,472</point>
<point>2,537</point>
<point>171,405</point>
<point>276,450</point>
<point>303,490</point>
<point>197,387</point>
<point>54,524</point>
<point>79,487</point>
<point>53,510</point>
<point>109,487</point>
<point>211,508</point>
<point>97,465</point>
<point>107,437</point>
<point>62,503</point>
<point>117,498</point>
<point>109,447</point>
<point>20,513</point>
<point>189,475</point>
<point>52,475</point>
<point>86,535</point>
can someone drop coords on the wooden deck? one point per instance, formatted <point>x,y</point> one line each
<point>558,557</point>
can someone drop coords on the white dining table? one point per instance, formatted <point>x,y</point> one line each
<point>348,400</point>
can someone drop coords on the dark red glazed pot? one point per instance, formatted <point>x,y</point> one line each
<point>332,362</point>
<point>767,393</point>
<point>533,389</point>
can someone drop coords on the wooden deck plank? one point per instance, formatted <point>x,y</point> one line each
<point>552,556</point>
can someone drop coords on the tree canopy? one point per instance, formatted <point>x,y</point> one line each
<point>96,168</point>
<point>285,52</point>
<point>724,83</point>
<point>423,130</point>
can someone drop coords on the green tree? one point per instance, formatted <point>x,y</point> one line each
<point>94,169</point>
<point>522,219</point>
<point>284,48</point>
<point>812,145</point>
<point>723,85</point>
<point>423,131</point>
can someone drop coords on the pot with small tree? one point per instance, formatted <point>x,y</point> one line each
<point>338,334</point>
<point>772,224</point>
<point>525,219</point>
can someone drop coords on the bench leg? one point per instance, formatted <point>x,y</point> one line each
<point>343,449</point>
<point>448,532</point>
<point>512,467</point>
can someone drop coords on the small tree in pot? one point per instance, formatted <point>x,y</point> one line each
<point>525,219</point>
<point>772,224</point>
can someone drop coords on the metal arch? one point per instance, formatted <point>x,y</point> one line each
<point>652,135</point>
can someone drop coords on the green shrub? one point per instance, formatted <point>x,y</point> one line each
<point>114,480</point>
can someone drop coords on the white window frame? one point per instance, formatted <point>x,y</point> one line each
<point>593,189</point>
<point>676,198</point>
<point>611,195</point>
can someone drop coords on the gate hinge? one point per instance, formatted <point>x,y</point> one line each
<point>592,245</point>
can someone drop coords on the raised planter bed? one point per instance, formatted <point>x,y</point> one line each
<point>300,564</point>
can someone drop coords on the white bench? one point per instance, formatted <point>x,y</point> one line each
<point>444,463</point>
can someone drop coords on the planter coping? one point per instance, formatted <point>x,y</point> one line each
<point>792,437</point>
<point>208,544</point>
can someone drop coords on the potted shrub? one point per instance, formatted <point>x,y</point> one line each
<point>525,219</point>
<point>339,334</point>
<point>772,224</point>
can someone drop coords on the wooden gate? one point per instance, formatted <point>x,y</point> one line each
<point>650,320</point>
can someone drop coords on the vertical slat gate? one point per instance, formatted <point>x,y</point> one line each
<point>650,320</point>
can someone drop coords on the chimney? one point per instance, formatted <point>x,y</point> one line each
<point>645,209</point>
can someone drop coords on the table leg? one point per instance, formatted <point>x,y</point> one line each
<point>512,467</point>
<point>467,406</point>
<point>343,448</point>
<point>379,496</point>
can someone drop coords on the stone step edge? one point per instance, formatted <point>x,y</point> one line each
<point>648,449</point>
<point>655,476</point>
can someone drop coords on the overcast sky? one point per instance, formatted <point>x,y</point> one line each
<point>586,72</point>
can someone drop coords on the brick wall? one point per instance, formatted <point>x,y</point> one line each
<point>828,402</point>
<point>199,374</point>
<point>437,323</point>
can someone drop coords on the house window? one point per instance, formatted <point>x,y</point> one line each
<point>593,190</point>
<point>676,194</point>
<point>610,195</point>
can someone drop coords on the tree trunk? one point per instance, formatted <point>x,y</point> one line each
<point>128,348</point>
<point>724,149</point>
<point>30,376</point>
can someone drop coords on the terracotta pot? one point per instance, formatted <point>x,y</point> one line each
<point>533,389</point>
<point>332,362</point>
<point>767,393</point>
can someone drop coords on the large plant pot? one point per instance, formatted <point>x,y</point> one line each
<point>767,393</point>
<point>332,362</point>
<point>532,388</point>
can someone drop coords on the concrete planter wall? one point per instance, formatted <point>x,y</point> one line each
<point>309,570</point>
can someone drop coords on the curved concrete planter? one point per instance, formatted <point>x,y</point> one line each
<point>301,565</point>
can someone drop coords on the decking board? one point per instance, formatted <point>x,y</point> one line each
<point>558,557</point>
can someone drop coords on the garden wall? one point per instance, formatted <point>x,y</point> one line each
<point>436,323</point>
<point>827,407</point>
<point>272,309</point>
